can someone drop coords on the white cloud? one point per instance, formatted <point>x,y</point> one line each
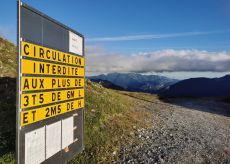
<point>98,60</point>
<point>152,36</point>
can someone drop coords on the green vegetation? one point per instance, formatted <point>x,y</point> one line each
<point>111,119</point>
<point>8,158</point>
<point>8,60</point>
<point>7,117</point>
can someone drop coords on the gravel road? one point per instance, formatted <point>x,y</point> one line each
<point>182,131</point>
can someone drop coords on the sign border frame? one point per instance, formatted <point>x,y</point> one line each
<point>19,68</point>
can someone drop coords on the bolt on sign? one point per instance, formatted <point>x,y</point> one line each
<point>50,89</point>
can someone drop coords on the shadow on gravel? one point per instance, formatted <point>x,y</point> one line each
<point>220,106</point>
<point>7,114</point>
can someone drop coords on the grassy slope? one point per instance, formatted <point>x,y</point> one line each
<point>8,60</point>
<point>110,119</point>
<point>7,119</point>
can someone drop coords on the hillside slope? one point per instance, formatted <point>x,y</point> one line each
<point>8,60</point>
<point>107,84</point>
<point>199,87</point>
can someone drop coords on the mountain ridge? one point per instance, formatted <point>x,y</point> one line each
<point>199,87</point>
<point>136,82</point>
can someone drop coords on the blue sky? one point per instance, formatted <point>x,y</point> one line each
<point>128,27</point>
<point>103,18</point>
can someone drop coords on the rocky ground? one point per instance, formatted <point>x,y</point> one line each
<point>182,131</point>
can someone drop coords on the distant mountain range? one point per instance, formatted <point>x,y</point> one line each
<point>107,84</point>
<point>199,87</point>
<point>166,87</point>
<point>136,82</point>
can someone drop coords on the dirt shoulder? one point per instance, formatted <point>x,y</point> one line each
<point>182,131</point>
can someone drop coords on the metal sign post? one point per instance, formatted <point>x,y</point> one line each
<point>50,89</point>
